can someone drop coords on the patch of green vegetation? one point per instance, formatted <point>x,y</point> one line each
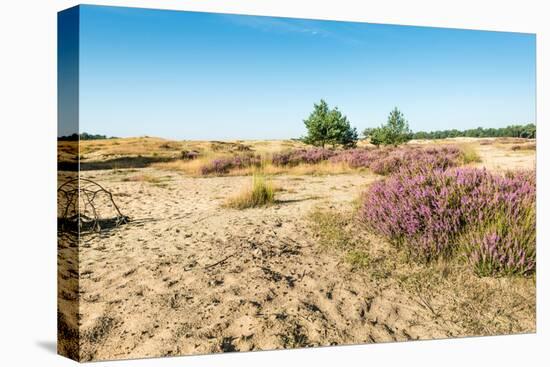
<point>358,259</point>
<point>329,227</point>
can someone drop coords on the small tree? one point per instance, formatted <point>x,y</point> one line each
<point>326,126</point>
<point>368,132</point>
<point>378,136</point>
<point>396,131</point>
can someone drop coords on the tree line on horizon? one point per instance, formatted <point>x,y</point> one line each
<point>528,131</point>
<point>326,126</point>
<point>84,136</point>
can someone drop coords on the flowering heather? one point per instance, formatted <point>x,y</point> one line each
<point>385,161</point>
<point>504,242</point>
<point>382,161</point>
<point>299,156</point>
<point>360,157</point>
<point>222,166</point>
<point>413,158</point>
<point>435,212</point>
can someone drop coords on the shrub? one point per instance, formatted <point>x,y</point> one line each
<point>221,166</point>
<point>188,155</point>
<point>391,160</point>
<point>260,194</point>
<point>382,161</point>
<point>504,241</point>
<point>505,246</point>
<point>300,156</point>
<point>413,210</point>
<point>360,158</point>
<point>434,212</point>
<point>413,159</point>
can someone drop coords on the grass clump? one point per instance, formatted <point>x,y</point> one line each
<point>329,228</point>
<point>143,178</point>
<point>261,193</point>
<point>469,154</point>
<point>337,230</point>
<point>358,259</point>
<point>158,181</point>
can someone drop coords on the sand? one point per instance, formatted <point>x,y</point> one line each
<point>187,276</point>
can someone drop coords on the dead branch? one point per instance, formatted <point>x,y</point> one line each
<point>80,202</point>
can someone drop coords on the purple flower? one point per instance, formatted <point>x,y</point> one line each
<point>436,211</point>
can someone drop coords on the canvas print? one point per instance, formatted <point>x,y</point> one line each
<point>232,183</point>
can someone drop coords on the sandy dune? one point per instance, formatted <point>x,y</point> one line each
<point>188,277</point>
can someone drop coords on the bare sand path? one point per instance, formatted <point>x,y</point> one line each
<point>188,277</point>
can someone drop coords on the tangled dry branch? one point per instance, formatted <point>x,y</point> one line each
<point>85,205</point>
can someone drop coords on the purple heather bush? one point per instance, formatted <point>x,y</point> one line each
<point>435,212</point>
<point>302,156</point>
<point>221,166</point>
<point>413,158</point>
<point>504,240</point>
<point>386,161</point>
<point>360,157</point>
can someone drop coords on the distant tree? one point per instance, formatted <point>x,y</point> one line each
<point>329,126</point>
<point>84,136</point>
<point>396,130</point>
<point>72,137</point>
<point>528,131</point>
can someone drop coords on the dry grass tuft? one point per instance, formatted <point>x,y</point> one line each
<point>337,231</point>
<point>142,178</point>
<point>329,228</point>
<point>469,154</point>
<point>159,181</point>
<point>193,167</point>
<point>261,193</point>
<point>486,142</point>
<point>190,167</point>
<point>527,146</point>
<point>322,168</point>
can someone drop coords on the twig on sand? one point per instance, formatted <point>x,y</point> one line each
<point>426,304</point>
<point>219,262</point>
<point>203,218</point>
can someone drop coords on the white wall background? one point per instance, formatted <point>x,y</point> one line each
<point>28,180</point>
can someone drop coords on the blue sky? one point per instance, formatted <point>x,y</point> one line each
<point>187,75</point>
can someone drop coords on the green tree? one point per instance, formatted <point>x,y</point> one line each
<point>378,136</point>
<point>329,126</point>
<point>367,133</point>
<point>396,130</point>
